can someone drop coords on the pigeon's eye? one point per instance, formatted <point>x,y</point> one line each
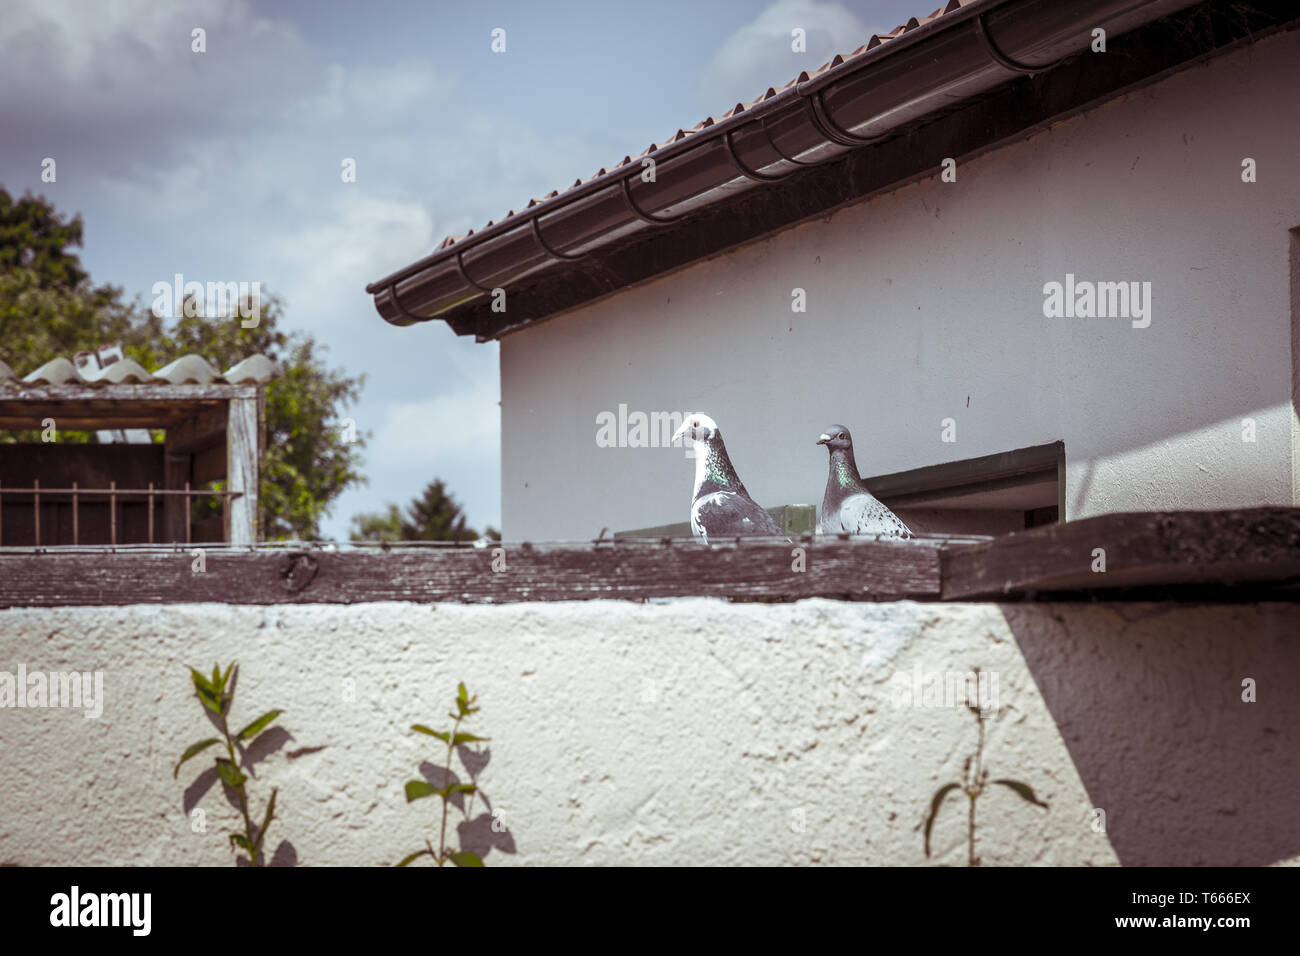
<point>695,424</point>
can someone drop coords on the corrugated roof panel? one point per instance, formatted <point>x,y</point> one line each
<point>189,369</point>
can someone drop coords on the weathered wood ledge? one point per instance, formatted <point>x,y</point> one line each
<point>1251,554</point>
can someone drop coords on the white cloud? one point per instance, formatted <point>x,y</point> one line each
<point>758,55</point>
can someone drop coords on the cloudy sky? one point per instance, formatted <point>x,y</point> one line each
<point>225,165</point>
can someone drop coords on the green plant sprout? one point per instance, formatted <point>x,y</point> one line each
<point>975,780</point>
<point>217,695</point>
<point>417,789</point>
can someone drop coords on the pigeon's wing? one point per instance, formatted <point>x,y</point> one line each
<point>725,514</point>
<point>864,514</point>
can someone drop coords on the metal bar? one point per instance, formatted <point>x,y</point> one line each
<point>2,514</point>
<point>151,512</point>
<point>36,509</point>
<point>75,516</point>
<point>122,492</point>
<point>112,513</point>
<point>187,512</point>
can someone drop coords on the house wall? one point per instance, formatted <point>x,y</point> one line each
<point>676,733</point>
<point>926,303</point>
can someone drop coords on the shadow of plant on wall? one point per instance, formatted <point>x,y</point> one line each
<point>477,836</point>
<point>975,780</point>
<point>217,695</point>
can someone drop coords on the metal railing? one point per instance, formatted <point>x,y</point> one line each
<point>112,493</point>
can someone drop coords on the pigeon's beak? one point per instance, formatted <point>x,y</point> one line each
<point>824,439</point>
<point>680,433</point>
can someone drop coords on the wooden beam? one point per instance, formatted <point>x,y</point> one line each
<point>1006,469</point>
<point>210,464</point>
<point>204,428</point>
<point>122,394</point>
<point>1152,549</point>
<point>758,570</point>
<point>241,471</point>
<point>176,472</point>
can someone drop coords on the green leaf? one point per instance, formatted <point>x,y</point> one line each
<point>241,840</point>
<point>413,857</point>
<point>440,734</point>
<point>228,772</point>
<point>201,682</point>
<point>461,788</point>
<point>209,701</point>
<point>415,789</point>
<point>257,725</point>
<point>193,749</point>
<point>462,694</point>
<point>934,810</point>
<point>466,739</point>
<point>466,859</point>
<point>216,678</point>
<point>225,678</point>
<point>1025,790</point>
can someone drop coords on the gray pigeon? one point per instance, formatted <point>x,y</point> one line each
<point>721,507</point>
<point>848,506</point>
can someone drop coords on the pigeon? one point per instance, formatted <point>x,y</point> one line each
<point>720,506</point>
<point>848,506</point>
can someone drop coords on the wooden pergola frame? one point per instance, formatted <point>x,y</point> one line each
<point>212,431</point>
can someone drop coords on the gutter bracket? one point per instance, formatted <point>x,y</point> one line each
<point>553,253</point>
<point>639,212</point>
<point>829,128</point>
<point>460,267</point>
<point>996,54</point>
<point>752,175</point>
<point>392,294</point>
<point>777,149</point>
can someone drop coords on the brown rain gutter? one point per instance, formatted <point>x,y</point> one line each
<point>853,104</point>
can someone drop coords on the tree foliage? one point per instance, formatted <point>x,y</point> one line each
<point>433,516</point>
<point>49,307</point>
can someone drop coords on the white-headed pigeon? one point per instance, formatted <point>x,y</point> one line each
<point>721,507</point>
<point>847,505</point>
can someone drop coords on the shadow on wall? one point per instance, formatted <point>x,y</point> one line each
<point>1149,702</point>
<point>475,834</point>
<point>269,742</point>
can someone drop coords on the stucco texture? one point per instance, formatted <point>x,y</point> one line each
<point>687,732</point>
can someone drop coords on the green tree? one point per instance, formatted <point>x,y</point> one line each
<point>433,516</point>
<point>48,308</point>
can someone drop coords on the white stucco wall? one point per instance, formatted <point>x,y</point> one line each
<point>682,733</point>
<point>926,303</point>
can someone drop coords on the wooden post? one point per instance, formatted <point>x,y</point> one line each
<point>36,509</point>
<point>151,512</point>
<point>75,528</point>
<point>187,512</point>
<point>112,512</point>
<point>176,472</point>
<point>241,471</point>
